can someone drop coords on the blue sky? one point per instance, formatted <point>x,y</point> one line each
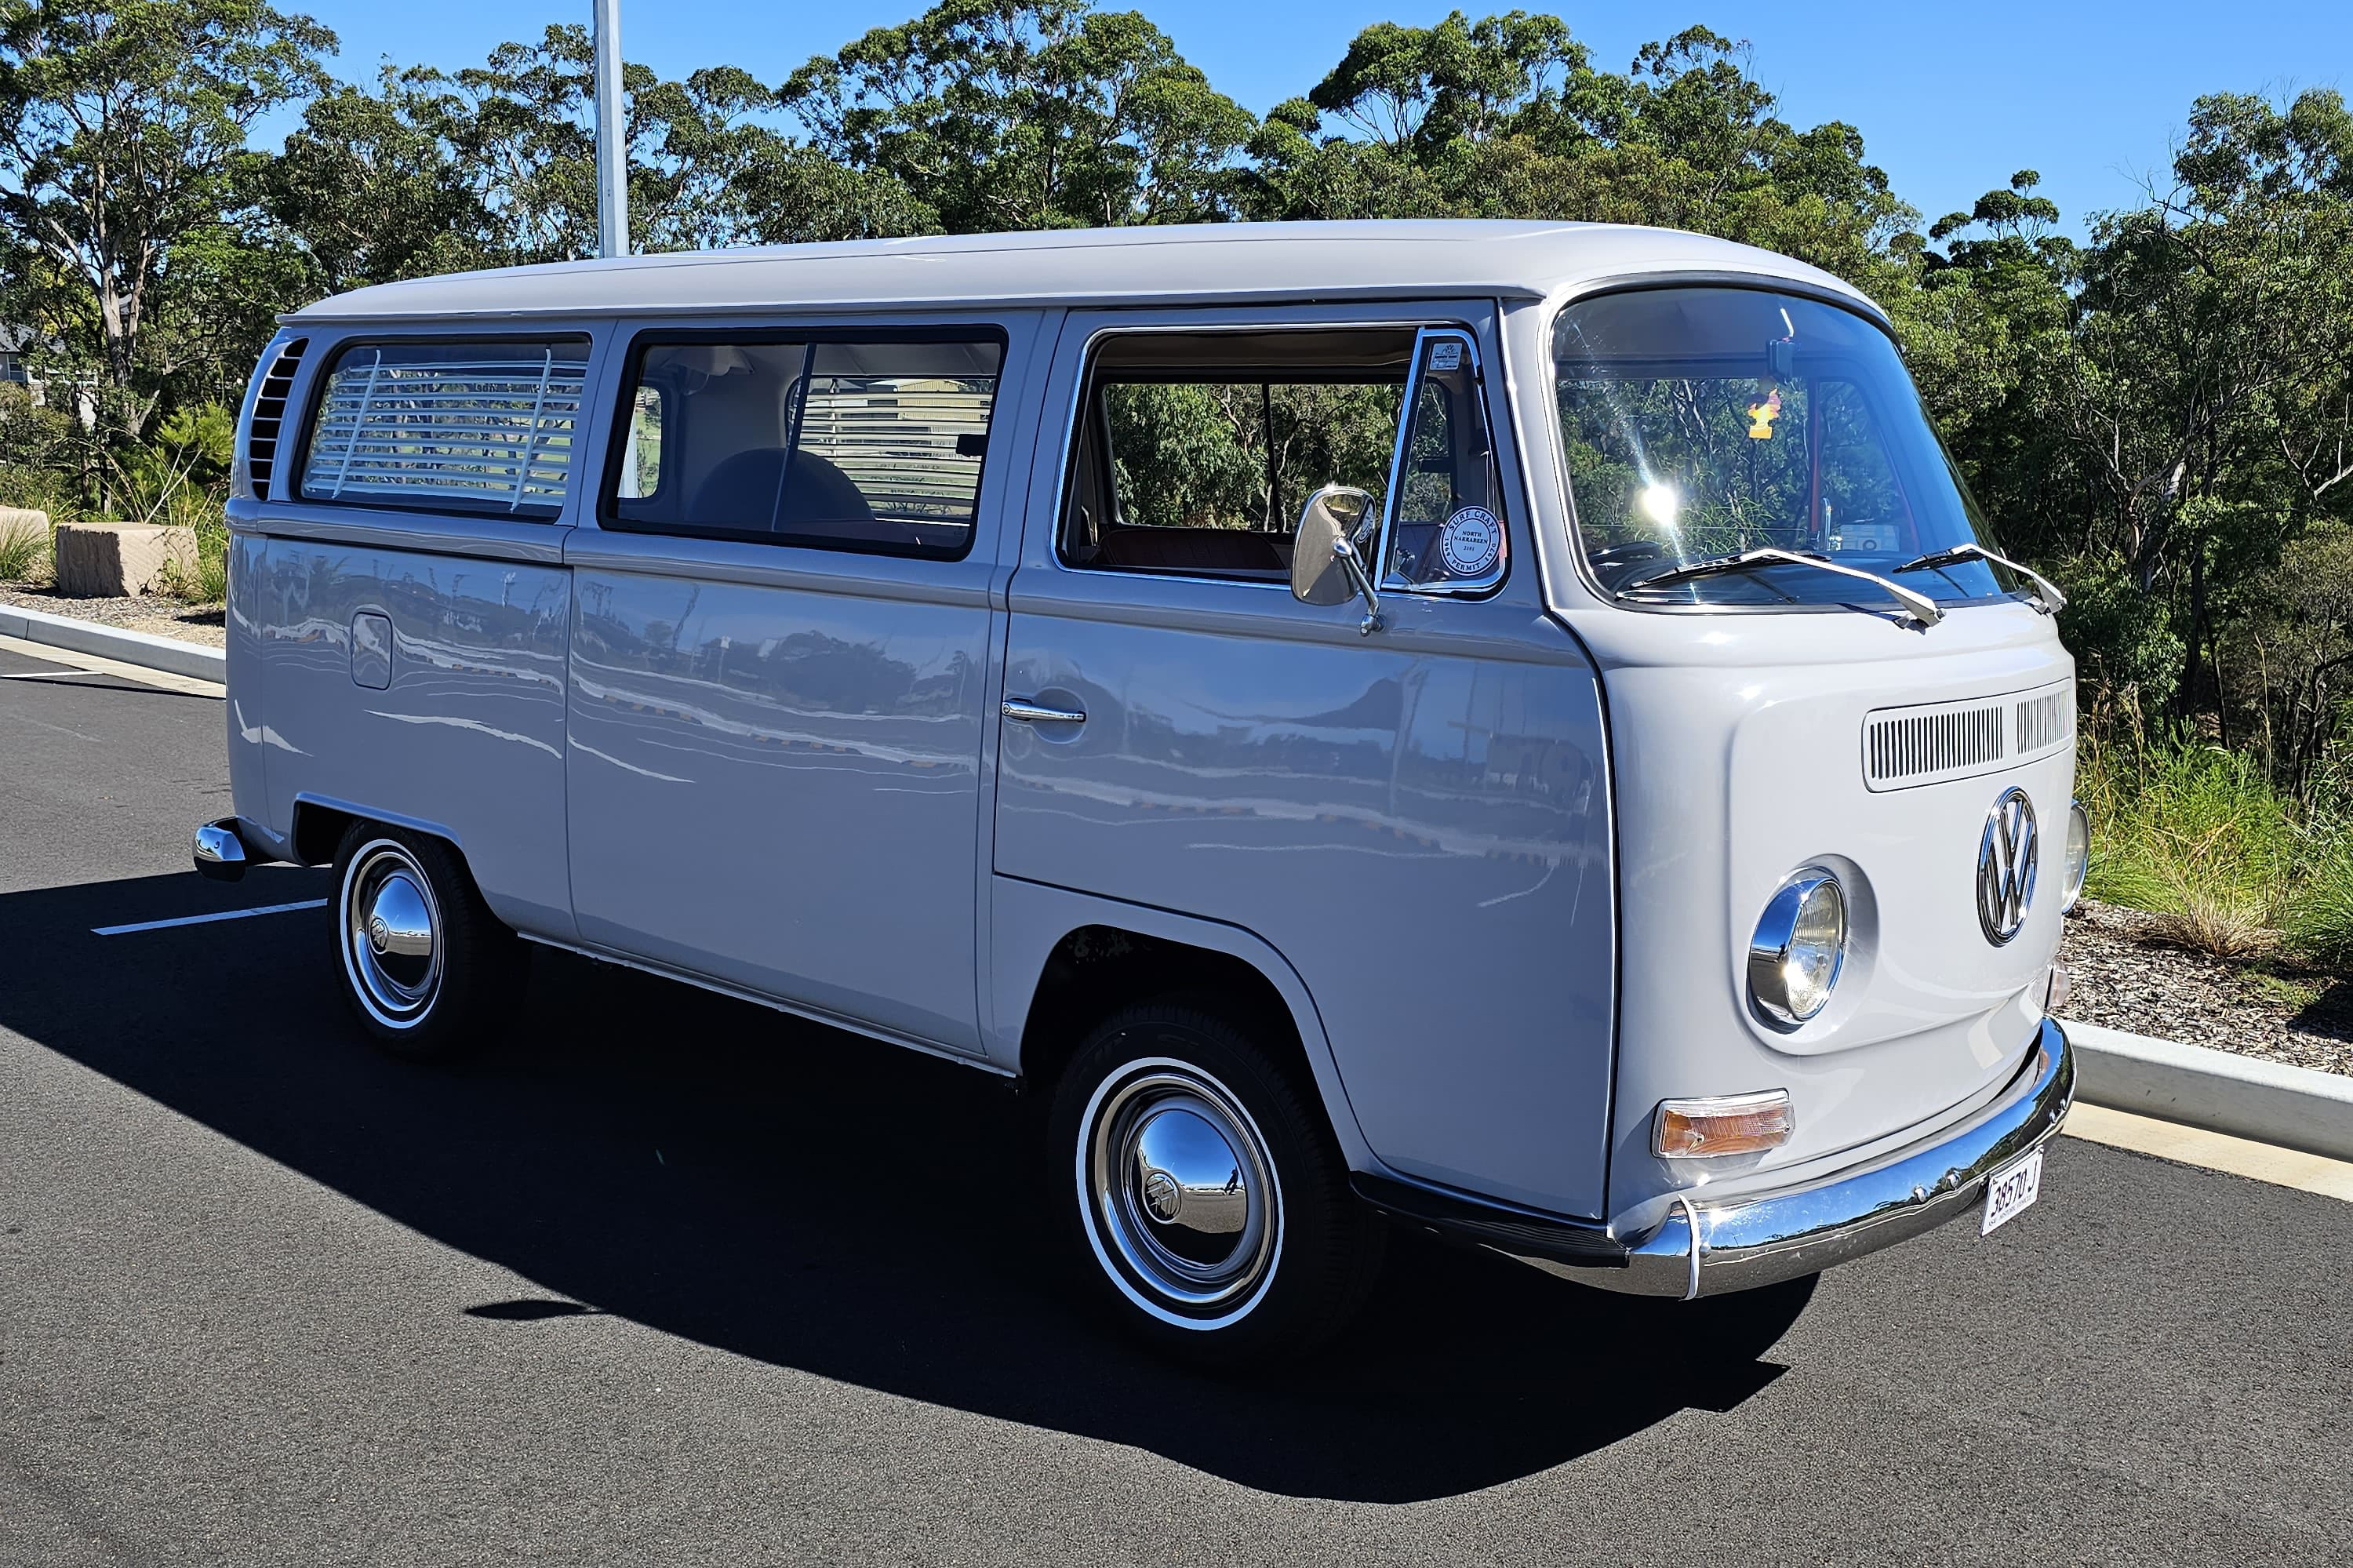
<point>1950,97</point>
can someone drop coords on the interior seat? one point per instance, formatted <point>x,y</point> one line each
<point>819,501</point>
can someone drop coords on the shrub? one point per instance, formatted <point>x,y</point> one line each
<point>2320,910</point>
<point>2196,835</point>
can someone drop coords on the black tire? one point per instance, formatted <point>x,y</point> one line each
<point>455,995</point>
<point>1275,1258</point>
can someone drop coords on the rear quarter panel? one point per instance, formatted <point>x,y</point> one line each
<point>468,738</point>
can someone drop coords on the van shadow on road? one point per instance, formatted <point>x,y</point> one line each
<point>806,1198</point>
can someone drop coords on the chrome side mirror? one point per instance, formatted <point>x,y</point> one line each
<point>1326,567</point>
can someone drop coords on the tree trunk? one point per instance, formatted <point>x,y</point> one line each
<point>2193,653</point>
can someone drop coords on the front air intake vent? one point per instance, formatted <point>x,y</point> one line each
<point>1906,748</point>
<point>270,417</point>
<point>2044,721</point>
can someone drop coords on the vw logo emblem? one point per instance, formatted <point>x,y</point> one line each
<point>1161,1196</point>
<point>2006,862</point>
<point>379,934</point>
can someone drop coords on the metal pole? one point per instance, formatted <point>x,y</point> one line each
<point>612,136</point>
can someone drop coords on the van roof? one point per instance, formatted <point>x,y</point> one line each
<point>1171,264</point>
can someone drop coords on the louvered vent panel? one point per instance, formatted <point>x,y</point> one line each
<point>269,415</point>
<point>1906,748</point>
<point>2046,720</point>
<point>489,425</point>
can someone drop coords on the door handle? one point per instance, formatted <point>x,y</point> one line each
<point>1028,711</point>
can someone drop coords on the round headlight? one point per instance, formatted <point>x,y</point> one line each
<point>2079,854</point>
<point>1800,943</point>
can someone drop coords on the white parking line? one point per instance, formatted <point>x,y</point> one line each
<point>206,919</point>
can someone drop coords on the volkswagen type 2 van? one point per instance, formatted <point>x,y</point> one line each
<point>1514,729</point>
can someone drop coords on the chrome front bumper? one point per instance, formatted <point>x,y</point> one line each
<point>1710,1249</point>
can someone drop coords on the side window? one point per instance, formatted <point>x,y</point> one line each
<point>1446,528</point>
<point>845,443</point>
<point>1196,453</point>
<point>485,426</point>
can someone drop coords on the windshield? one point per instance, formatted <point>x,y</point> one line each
<point>1701,422</point>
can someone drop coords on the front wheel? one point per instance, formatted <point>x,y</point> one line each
<point>1209,1197</point>
<point>425,966</point>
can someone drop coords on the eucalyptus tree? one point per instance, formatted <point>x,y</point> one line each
<point>1011,114</point>
<point>2213,404</point>
<point>122,142</point>
<point>1507,117</point>
<point>369,187</point>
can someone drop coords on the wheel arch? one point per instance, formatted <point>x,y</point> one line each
<point>320,822</point>
<point>1063,960</point>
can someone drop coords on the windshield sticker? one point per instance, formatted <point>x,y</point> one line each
<point>1446,354</point>
<point>1762,414</point>
<point>1470,542</point>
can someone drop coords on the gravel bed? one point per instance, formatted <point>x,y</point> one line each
<point>148,612</point>
<point>2126,973</point>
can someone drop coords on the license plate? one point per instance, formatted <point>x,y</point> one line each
<point>2012,1190</point>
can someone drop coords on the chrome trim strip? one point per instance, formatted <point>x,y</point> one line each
<point>1762,1240</point>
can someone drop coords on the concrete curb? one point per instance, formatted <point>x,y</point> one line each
<point>2270,1102</point>
<point>144,649</point>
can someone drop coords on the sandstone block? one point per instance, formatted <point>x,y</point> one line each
<point>111,560</point>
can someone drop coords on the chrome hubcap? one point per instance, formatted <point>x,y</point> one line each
<point>1180,1192</point>
<point>392,933</point>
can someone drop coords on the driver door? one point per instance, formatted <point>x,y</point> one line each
<point>1415,817</point>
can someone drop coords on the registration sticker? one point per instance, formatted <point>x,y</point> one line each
<point>1446,353</point>
<point>2012,1190</point>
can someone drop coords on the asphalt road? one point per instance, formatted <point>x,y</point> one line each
<point>668,1279</point>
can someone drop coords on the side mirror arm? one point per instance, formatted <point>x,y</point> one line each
<point>1353,563</point>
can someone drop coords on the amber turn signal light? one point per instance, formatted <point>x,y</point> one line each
<point>1723,1124</point>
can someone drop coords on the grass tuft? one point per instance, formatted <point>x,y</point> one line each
<point>2199,837</point>
<point>2194,833</point>
<point>23,546</point>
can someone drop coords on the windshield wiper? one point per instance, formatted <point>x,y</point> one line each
<point>2047,597</point>
<point>1923,609</point>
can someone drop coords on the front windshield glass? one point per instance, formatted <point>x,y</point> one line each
<point>1702,422</point>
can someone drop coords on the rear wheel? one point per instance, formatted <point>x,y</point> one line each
<point>425,966</point>
<point>1209,1198</point>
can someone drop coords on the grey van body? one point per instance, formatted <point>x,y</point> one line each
<point>1496,861</point>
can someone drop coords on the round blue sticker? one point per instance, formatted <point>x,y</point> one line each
<point>1471,543</point>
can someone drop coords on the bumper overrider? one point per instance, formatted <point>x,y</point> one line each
<point>220,852</point>
<point>1705,1248</point>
